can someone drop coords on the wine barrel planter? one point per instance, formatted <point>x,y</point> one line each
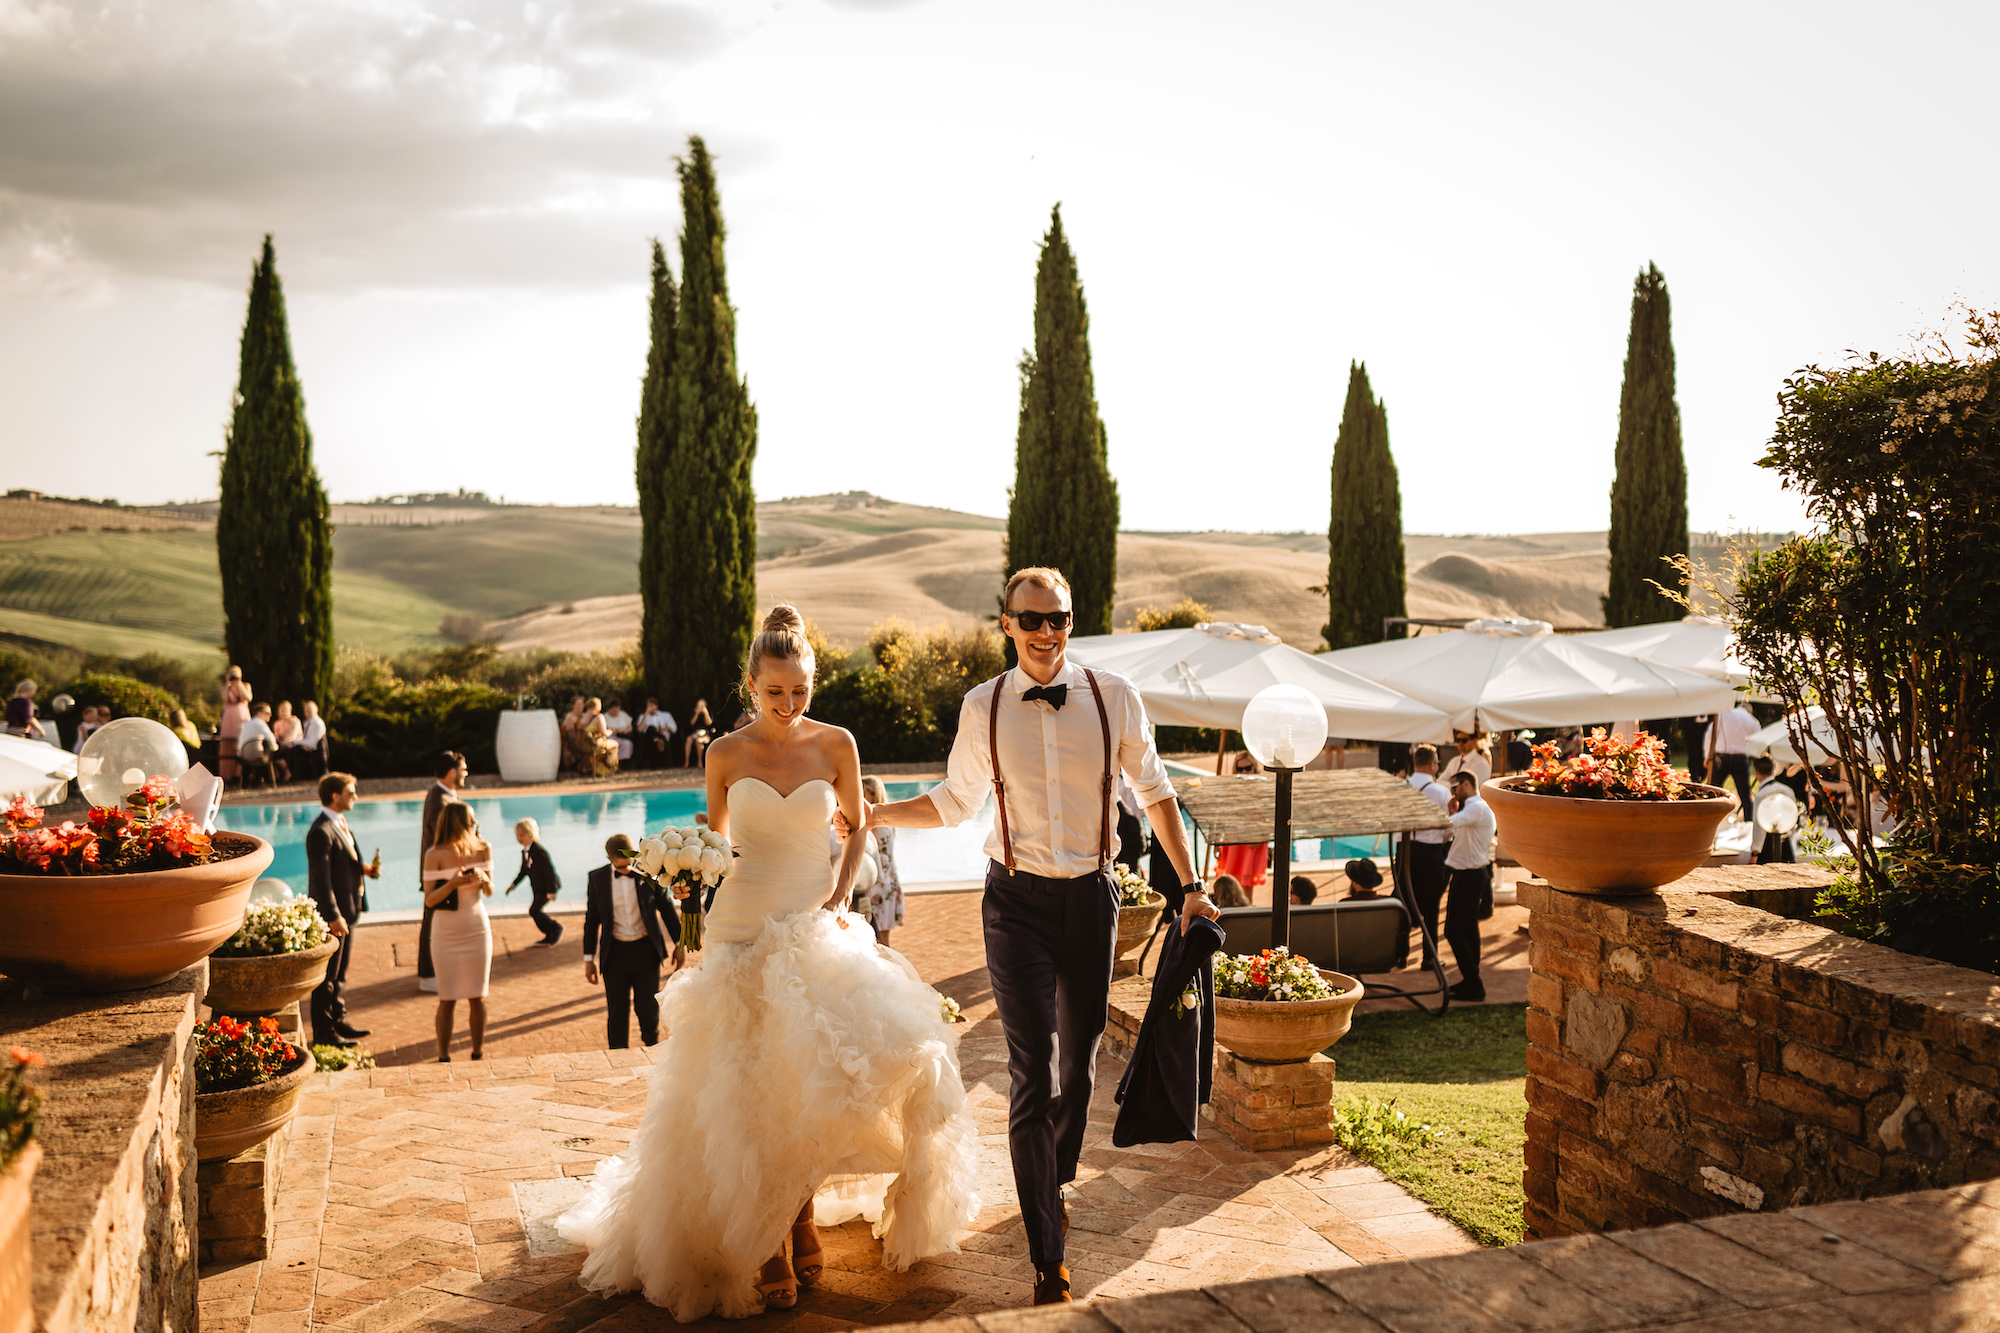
<point>267,983</point>
<point>1606,847</point>
<point>228,1123</point>
<point>93,934</point>
<point>1276,1032</point>
<point>17,1266</point>
<point>528,745</point>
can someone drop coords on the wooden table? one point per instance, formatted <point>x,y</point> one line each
<point>1326,803</point>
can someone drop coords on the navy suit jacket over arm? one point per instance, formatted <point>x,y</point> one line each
<point>1173,1062</point>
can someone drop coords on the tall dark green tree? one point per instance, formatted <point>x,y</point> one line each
<point>697,441</point>
<point>1364,568</point>
<point>1063,509</point>
<point>1649,524</point>
<point>273,538</point>
<point>653,460</point>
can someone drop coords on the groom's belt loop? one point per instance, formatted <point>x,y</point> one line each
<point>1000,784</point>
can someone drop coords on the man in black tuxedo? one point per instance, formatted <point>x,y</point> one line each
<point>334,872</point>
<point>637,919</point>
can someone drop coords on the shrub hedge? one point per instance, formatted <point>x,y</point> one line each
<point>397,731</point>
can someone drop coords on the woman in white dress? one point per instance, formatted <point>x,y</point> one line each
<point>458,878</point>
<point>806,1074</point>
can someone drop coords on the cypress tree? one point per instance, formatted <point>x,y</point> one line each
<point>1649,493</point>
<point>701,610</point>
<point>273,537</point>
<point>1364,569</point>
<point>653,461</point>
<point>1063,508</point>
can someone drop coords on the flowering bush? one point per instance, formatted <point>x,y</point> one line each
<point>151,833</point>
<point>232,1053</point>
<point>1610,768</point>
<point>18,1103</point>
<point>293,926</point>
<point>1133,891</point>
<point>1275,974</point>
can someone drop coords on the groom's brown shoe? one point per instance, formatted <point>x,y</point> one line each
<point>1053,1288</point>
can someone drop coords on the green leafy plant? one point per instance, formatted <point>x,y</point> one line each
<point>1184,614</point>
<point>333,1059</point>
<point>1367,1124</point>
<point>20,1101</point>
<point>275,928</point>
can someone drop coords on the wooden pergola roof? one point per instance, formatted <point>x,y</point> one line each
<point>1326,803</point>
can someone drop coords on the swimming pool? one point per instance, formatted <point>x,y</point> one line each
<point>574,826</point>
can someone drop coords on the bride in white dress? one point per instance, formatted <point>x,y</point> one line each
<point>805,1074</point>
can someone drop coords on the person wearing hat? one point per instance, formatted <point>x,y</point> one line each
<point>1365,877</point>
<point>628,921</point>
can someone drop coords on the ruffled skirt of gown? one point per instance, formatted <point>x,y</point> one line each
<point>808,1061</point>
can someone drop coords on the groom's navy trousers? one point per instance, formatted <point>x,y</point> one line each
<point>1049,947</point>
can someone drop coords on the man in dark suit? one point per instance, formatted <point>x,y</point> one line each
<point>334,873</point>
<point>628,921</point>
<point>451,772</point>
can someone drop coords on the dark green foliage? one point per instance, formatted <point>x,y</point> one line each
<point>273,540</point>
<point>194,689</point>
<point>600,676</point>
<point>125,696</point>
<point>1063,509</point>
<point>1886,620</point>
<point>1649,526</point>
<point>888,727</point>
<point>697,441</point>
<point>1364,568</point>
<point>904,701</point>
<point>398,731</point>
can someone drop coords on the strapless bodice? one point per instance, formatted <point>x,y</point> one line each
<point>782,865</point>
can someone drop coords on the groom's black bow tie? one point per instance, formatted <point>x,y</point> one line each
<point>1057,695</point>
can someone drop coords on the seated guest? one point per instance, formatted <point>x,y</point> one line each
<point>1304,891</point>
<point>88,721</point>
<point>652,736</point>
<point>21,712</point>
<point>312,737</point>
<point>1228,892</point>
<point>177,722</point>
<point>619,723</point>
<point>257,749</point>
<point>1364,878</point>
<point>284,726</point>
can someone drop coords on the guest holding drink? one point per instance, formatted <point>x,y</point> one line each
<point>458,877</point>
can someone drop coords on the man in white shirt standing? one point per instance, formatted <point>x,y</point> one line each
<point>1471,758</point>
<point>1427,847</point>
<point>1470,861</point>
<point>1047,740</point>
<point>1727,758</point>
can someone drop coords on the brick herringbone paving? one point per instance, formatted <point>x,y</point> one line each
<point>411,1193</point>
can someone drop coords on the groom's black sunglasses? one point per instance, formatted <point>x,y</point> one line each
<point>1034,620</point>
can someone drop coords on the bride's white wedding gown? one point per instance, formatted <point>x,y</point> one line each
<point>799,1059</point>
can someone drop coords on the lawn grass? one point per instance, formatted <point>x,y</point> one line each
<point>1465,1076</point>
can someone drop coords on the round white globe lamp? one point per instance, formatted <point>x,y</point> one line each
<point>119,756</point>
<point>1285,727</point>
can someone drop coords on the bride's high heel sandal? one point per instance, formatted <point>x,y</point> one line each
<point>779,1292</point>
<point>805,1248</point>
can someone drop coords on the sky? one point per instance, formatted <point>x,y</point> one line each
<point>1459,195</point>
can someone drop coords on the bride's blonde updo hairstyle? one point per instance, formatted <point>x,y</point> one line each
<point>782,637</point>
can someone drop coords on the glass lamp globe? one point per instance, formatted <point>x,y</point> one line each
<point>119,757</point>
<point>1284,726</point>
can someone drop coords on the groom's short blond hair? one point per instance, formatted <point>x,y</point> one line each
<point>1039,575</point>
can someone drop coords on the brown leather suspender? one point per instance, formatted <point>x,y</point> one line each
<point>1000,784</point>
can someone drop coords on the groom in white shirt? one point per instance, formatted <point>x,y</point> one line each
<point>1063,735</point>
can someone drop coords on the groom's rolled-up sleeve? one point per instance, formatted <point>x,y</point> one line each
<point>1137,755</point>
<point>969,772</point>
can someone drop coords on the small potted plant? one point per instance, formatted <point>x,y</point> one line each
<point>19,1152</point>
<point>1614,819</point>
<point>247,1080</point>
<point>1138,912</point>
<point>272,962</point>
<point>123,901</point>
<point>1277,1008</point>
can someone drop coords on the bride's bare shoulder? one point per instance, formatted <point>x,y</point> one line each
<point>833,741</point>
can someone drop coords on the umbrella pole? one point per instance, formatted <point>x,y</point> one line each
<point>1221,748</point>
<point>1281,862</point>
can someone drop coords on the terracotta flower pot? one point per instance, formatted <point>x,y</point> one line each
<point>17,1266</point>
<point>1608,847</point>
<point>228,1123</point>
<point>266,984</point>
<point>96,933</point>
<point>1135,924</point>
<point>1276,1032</point>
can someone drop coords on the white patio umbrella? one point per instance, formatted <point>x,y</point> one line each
<point>1776,741</point>
<point>1507,674</point>
<point>1701,644</point>
<point>35,770</point>
<point>1205,676</point>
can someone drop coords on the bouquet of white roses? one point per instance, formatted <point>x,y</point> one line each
<point>688,861</point>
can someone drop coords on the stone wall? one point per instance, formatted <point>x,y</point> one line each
<point>114,1200</point>
<point>1692,1054</point>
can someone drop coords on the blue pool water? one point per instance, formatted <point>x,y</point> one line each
<point>574,826</point>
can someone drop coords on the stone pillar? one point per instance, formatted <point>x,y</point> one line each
<point>1264,1107</point>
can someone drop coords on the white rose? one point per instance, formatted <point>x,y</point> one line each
<point>711,863</point>
<point>710,838</point>
<point>689,857</point>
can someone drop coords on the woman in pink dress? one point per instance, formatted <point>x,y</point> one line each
<point>235,712</point>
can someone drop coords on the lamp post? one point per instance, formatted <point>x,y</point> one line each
<point>1284,726</point>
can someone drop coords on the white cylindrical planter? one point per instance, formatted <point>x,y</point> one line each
<point>529,745</point>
